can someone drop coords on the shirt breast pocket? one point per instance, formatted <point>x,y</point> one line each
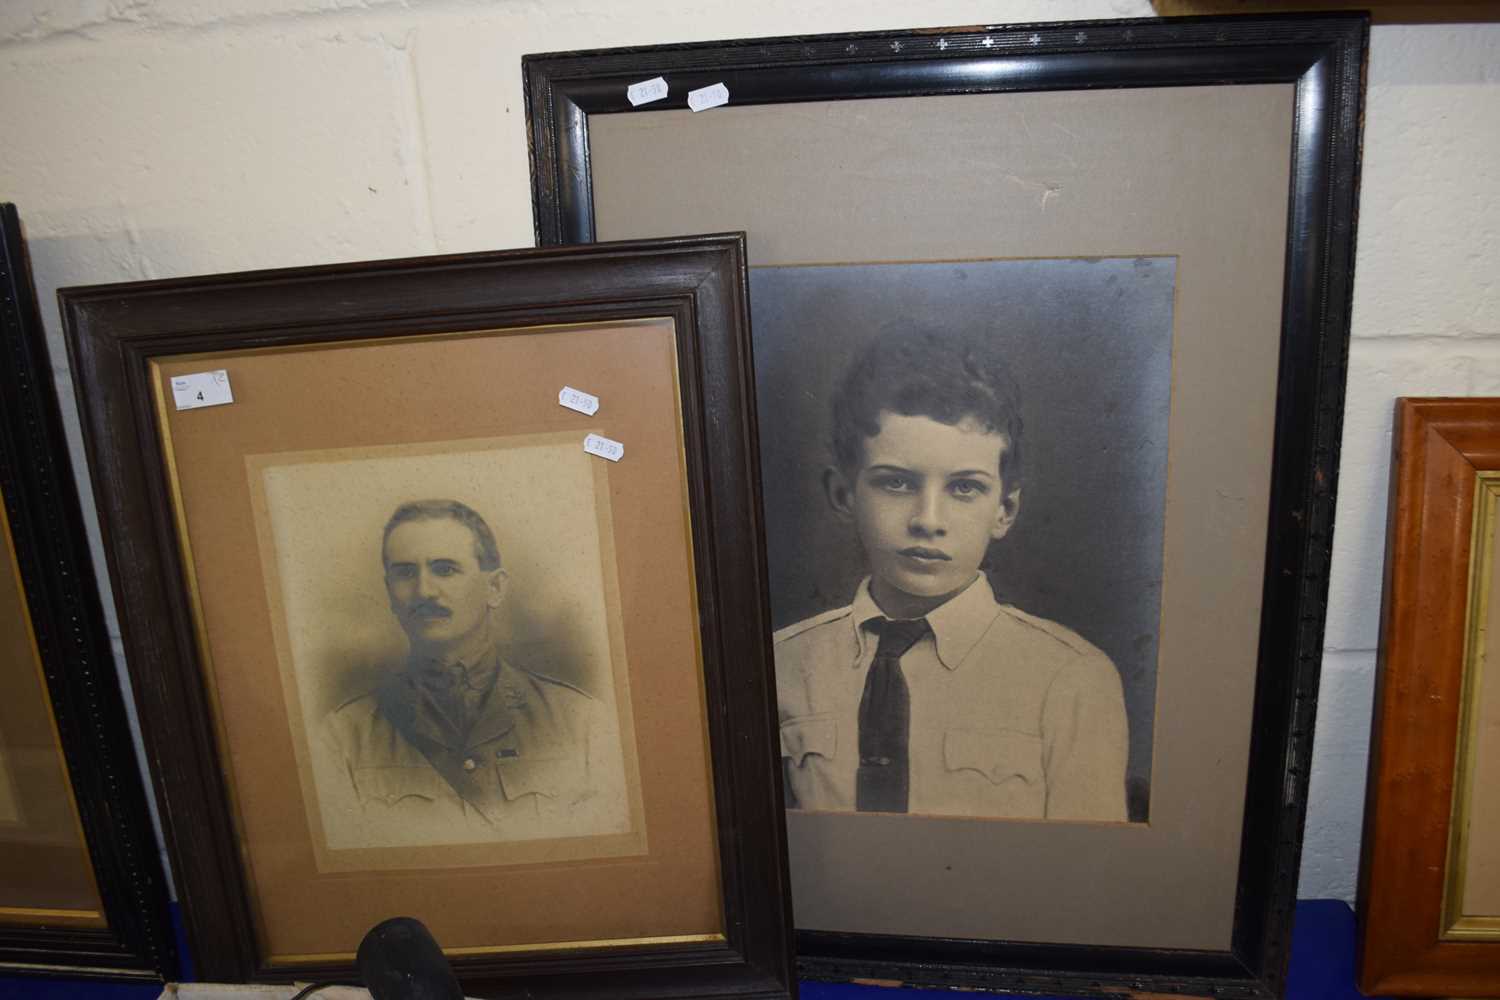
<point>1000,755</point>
<point>390,785</point>
<point>809,736</point>
<point>551,775</point>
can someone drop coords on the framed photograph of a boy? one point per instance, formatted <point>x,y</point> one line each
<point>445,608</point>
<point>1063,367</point>
<point>1050,327</point>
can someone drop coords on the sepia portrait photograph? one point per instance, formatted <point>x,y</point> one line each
<point>964,476</point>
<point>450,650</point>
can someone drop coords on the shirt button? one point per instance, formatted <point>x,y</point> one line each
<point>470,763</point>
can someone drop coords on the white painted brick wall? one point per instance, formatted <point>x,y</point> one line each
<point>152,138</point>
<point>1426,323</point>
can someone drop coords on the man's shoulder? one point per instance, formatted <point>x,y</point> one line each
<point>357,724</point>
<point>551,690</point>
<point>355,711</point>
<point>542,701</point>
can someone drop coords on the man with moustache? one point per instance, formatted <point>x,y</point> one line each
<point>460,732</point>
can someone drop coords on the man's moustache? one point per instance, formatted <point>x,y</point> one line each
<point>429,611</point>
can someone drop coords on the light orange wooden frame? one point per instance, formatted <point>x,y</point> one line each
<point>1441,446</point>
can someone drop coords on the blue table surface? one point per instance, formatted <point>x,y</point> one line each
<point>1322,969</point>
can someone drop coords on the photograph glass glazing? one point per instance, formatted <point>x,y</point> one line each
<point>899,401</point>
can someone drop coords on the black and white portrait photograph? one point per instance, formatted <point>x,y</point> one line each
<point>964,469</point>
<point>451,649</point>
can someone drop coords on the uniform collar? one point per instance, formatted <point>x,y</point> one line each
<point>476,672</point>
<point>403,701</point>
<point>957,624</point>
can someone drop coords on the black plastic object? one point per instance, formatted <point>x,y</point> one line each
<point>400,960</point>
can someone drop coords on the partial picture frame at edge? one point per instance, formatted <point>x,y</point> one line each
<point>131,937</point>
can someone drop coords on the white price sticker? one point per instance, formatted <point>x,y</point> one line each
<point>577,399</point>
<point>201,389</point>
<point>708,97</point>
<point>596,444</point>
<point>646,91</point>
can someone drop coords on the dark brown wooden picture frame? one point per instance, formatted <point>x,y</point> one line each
<point>1322,58</point>
<point>1441,447</point>
<point>88,707</point>
<point>699,282</point>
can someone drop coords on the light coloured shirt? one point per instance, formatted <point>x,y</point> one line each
<point>1011,715</point>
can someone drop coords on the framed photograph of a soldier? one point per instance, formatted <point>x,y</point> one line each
<point>464,581</point>
<point>82,893</point>
<point>422,730</point>
<point>1049,339</point>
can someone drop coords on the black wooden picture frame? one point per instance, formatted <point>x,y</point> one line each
<point>699,282</point>
<point>67,619</point>
<point>1323,57</point>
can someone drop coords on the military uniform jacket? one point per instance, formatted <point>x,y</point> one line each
<point>541,759</point>
<point>1011,715</point>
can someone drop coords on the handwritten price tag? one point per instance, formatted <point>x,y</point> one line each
<point>596,444</point>
<point>646,91</point>
<point>577,399</point>
<point>708,97</point>
<point>201,389</point>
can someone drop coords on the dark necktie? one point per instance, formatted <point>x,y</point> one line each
<point>884,775</point>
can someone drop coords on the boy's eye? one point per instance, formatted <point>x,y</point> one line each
<point>893,483</point>
<point>967,488</point>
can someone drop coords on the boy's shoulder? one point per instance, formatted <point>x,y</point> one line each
<point>808,629</point>
<point>1049,649</point>
<point>1045,631</point>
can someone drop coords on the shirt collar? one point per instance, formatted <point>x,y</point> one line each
<point>862,610</point>
<point>957,624</point>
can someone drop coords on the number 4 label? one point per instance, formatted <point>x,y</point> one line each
<point>190,392</point>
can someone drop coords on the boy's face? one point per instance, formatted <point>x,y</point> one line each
<point>927,501</point>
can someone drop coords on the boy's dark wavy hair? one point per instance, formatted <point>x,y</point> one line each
<point>925,373</point>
